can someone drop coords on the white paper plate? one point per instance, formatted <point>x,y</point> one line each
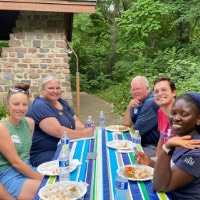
<point>140,168</point>
<point>120,144</point>
<point>52,168</point>
<point>60,191</point>
<point>117,128</point>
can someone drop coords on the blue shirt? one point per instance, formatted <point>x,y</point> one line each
<point>146,121</point>
<point>44,145</point>
<point>189,161</point>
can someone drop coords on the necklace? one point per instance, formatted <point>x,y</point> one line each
<point>60,113</point>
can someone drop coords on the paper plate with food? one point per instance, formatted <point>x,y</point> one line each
<point>52,168</point>
<point>137,172</point>
<point>69,190</point>
<point>120,144</point>
<point>117,128</point>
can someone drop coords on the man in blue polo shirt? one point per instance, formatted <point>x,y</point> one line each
<point>141,114</point>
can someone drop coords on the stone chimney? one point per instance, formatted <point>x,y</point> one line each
<point>37,47</point>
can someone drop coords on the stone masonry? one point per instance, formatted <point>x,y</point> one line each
<point>37,47</point>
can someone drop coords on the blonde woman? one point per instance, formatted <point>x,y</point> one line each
<point>16,174</point>
<point>52,116</point>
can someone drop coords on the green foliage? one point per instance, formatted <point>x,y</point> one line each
<point>118,95</point>
<point>3,44</point>
<point>148,37</point>
<point>3,112</point>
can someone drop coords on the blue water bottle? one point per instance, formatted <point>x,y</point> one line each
<point>90,122</point>
<point>101,120</point>
<point>136,137</point>
<point>121,185</point>
<point>64,159</point>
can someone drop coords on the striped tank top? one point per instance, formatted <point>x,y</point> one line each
<point>21,139</point>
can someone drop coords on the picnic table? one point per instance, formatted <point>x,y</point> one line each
<point>100,173</point>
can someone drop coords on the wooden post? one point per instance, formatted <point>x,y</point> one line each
<point>78,93</point>
<point>77,81</point>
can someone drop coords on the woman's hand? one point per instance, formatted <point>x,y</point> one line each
<point>88,132</point>
<point>184,141</point>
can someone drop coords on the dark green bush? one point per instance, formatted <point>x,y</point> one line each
<point>3,112</point>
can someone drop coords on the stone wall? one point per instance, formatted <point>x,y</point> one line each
<point>37,47</point>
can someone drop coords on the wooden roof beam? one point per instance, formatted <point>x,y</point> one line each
<point>49,6</point>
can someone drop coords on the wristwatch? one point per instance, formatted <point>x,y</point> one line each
<point>168,151</point>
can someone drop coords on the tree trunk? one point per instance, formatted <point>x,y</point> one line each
<point>112,53</point>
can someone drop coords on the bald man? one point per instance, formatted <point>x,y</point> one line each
<point>141,114</point>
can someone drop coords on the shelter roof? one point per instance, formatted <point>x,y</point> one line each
<point>70,6</point>
<point>9,10</point>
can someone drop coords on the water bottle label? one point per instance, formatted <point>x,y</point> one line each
<point>64,163</point>
<point>89,124</point>
<point>121,185</point>
<point>62,141</point>
<point>65,141</point>
<point>101,119</point>
<point>135,111</point>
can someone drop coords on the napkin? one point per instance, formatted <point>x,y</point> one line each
<point>75,162</point>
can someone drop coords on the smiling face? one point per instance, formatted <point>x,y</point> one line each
<point>163,94</point>
<point>183,117</point>
<point>51,90</point>
<point>17,105</point>
<point>139,89</point>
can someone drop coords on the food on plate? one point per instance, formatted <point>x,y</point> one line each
<point>122,128</point>
<point>51,169</point>
<point>117,128</point>
<point>62,193</point>
<point>136,172</point>
<point>122,144</point>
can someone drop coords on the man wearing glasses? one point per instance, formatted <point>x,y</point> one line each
<point>141,114</point>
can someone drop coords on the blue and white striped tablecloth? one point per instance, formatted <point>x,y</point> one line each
<point>100,173</point>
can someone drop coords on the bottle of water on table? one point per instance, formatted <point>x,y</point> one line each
<point>136,140</point>
<point>90,122</point>
<point>121,185</point>
<point>137,137</point>
<point>63,138</point>
<point>102,121</point>
<point>64,161</point>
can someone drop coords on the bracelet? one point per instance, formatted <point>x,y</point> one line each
<point>168,151</point>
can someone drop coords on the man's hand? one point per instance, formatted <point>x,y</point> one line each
<point>133,103</point>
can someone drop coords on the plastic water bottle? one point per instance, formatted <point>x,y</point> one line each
<point>63,138</point>
<point>64,174</point>
<point>137,137</point>
<point>90,122</point>
<point>135,111</point>
<point>121,187</point>
<point>101,120</point>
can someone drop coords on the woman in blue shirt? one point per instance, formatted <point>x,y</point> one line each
<point>182,178</point>
<point>52,116</point>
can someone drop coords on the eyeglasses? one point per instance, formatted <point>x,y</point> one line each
<point>137,89</point>
<point>16,90</point>
<point>163,90</point>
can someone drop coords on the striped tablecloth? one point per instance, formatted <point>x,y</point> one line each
<point>100,173</point>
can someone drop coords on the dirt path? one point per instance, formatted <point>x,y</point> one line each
<point>92,105</point>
